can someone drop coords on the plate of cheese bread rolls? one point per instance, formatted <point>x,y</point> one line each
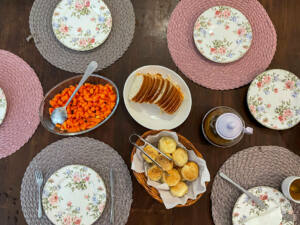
<point>177,173</point>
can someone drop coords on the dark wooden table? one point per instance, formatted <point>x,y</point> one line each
<point>149,46</point>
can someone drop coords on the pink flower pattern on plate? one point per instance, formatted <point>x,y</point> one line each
<point>81,24</point>
<point>245,208</point>
<point>53,199</point>
<point>74,193</point>
<point>226,46</point>
<point>274,99</point>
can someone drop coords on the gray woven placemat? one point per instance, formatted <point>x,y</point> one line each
<point>84,151</point>
<point>255,166</point>
<point>54,52</point>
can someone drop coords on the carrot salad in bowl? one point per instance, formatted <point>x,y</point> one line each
<point>91,105</point>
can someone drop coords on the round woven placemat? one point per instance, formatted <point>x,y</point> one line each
<point>255,166</point>
<point>210,74</point>
<point>54,52</point>
<point>85,151</point>
<point>24,94</point>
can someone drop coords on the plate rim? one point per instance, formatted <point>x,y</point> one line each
<point>71,165</point>
<point>227,62</point>
<point>126,102</point>
<point>76,49</point>
<point>247,97</point>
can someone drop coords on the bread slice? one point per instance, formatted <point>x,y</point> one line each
<point>174,101</point>
<point>160,89</point>
<point>174,108</point>
<point>170,97</point>
<point>147,89</point>
<point>153,89</point>
<point>136,85</point>
<point>164,94</point>
<point>167,97</point>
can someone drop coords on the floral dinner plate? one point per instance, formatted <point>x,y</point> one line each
<point>74,194</point>
<point>274,99</point>
<point>222,34</point>
<point>244,209</point>
<point>3,105</point>
<point>81,24</point>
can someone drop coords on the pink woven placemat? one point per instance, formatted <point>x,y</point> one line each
<point>24,94</point>
<point>210,74</point>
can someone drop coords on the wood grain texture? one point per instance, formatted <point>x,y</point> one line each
<point>149,47</point>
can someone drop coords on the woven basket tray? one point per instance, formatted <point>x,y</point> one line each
<point>142,179</point>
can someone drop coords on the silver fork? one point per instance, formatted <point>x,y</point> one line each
<point>39,181</point>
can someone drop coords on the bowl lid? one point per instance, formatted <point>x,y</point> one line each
<point>229,126</point>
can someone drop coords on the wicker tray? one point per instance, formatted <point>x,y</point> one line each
<point>142,179</point>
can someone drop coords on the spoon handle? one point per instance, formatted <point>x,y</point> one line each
<point>257,201</point>
<point>89,70</point>
<point>232,182</point>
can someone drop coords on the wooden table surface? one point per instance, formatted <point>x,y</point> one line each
<point>149,46</point>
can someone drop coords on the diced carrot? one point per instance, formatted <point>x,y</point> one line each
<point>91,104</point>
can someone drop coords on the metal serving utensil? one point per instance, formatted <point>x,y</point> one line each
<point>141,149</point>
<point>259,203</point>
<point>59,115</point>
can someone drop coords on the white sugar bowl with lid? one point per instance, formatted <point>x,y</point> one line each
<point>224,127</point>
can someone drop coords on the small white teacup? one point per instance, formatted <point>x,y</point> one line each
<point>289,186</point>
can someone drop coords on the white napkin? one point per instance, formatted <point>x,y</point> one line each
<point>272,216</point>
<point>196,187</point>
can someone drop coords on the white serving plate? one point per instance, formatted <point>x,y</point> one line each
<point>150,115</point>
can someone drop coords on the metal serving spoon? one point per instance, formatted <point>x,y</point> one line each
<point>259,203</point>
<point>59,115</point>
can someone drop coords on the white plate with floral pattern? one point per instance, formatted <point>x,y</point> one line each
<point>81,24</point>
<point>274,99</point>
<point>245,209</point>
<point>74,194</point>
<point>3,105</point>
<point>222,34</point>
